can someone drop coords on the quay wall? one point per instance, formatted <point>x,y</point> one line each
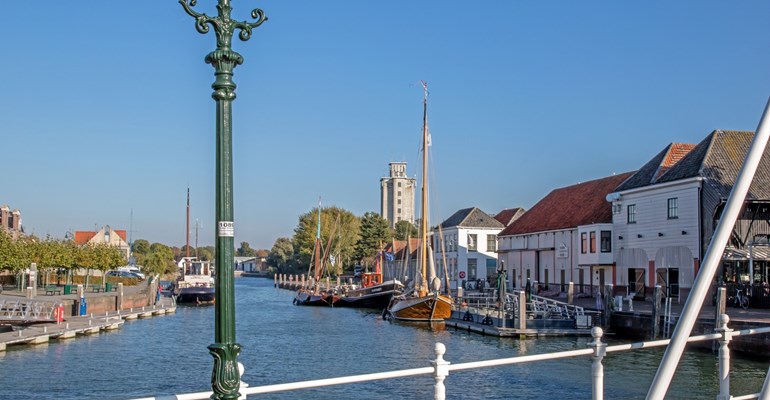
<point>638,326</point>
<point>102,304</point>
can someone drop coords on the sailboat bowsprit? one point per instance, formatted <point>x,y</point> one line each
<point>423,303</point>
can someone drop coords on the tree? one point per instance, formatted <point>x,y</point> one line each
<point>281,255</point>
<point>245,250</point>
<point>140,247</point>
<point>183,251</point>
<point>346,231</point>
<point>405,229</point>
<point>206,253</point>
<point>374,232</point>
<point>162,259</point>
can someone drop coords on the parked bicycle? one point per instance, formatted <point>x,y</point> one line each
<point>741,299</point>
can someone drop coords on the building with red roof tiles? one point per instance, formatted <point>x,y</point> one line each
<point>403,263</point>
<point>507,216</point>
<point>563,238</point>
<point>105,235</point>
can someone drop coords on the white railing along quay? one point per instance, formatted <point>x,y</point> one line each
<point>597,350</point>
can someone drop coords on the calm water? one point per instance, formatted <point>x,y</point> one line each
<point>285,343</point>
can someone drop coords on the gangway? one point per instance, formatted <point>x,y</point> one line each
<point>537,307</point>
<point>27,311</point>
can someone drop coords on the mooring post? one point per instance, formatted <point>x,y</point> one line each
<point>570,293</point>
<point>522,310</point>
<point>720,305</point>
<point>724,357</point>
<point>607,304</point>
<point>441,371</point>
<point>656,295</point>
<point>597,369</point>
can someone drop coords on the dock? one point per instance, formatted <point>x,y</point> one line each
<point>75,326</point>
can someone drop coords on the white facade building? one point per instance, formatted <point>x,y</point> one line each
<point>470,248</point>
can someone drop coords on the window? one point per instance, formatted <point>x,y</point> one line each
<point>617,208</point>
<point>491,270</point>
<point>632,213</point>
<point>491,243</point>
<point>593,242</point>
<point>399,211</point>
<point>399,184</point>
<point>583,243</point>
<point>606,242</point>
<point>472,243</point>
<point>673,208</point>
<point>471,269</point>
<point>399,201</point>
<point>399,193</point>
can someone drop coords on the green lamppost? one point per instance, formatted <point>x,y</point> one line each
<point>225,379</point>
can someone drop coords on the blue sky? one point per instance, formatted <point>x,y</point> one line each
<point>107,109</point>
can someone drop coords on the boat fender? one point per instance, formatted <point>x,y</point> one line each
<point>468,316</point>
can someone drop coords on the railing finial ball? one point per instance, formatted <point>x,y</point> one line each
<point>440,349</point>
<point>597,332</point>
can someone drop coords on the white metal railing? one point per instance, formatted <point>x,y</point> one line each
<point>596,349</point>
<point>27,309</point>
<point>540,307</point>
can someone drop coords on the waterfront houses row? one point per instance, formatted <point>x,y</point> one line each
<point>634,230</point>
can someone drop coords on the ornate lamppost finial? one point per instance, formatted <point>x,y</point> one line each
<point>225,377</point>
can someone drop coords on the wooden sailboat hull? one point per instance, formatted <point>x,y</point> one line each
<point>431,308</point>
<point>377,296</point>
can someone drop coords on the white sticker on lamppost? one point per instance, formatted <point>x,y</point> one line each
<point>226,229</point>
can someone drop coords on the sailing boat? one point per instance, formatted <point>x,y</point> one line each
<point>373,293</point>
<point>423,303</point>
<point>312,295</point>
<point>195,284</point>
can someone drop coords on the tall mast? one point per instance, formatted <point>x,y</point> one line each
<point>196,237</point>
<point>424,196</point>
<point>317,255</point>
<point>187,231</point>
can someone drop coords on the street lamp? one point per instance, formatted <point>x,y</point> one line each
<point>225,379</point>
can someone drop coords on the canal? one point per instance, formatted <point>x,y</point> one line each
<point>285,343</point>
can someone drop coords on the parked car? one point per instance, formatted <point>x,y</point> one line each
<point>124,274</point>
<point>133,269</point>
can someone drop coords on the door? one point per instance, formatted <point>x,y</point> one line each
<point>636,284</point>
<point>673,282</point>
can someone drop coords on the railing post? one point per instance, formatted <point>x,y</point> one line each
<point>724,357</point>
<point>441,367</point>
<point>244,385</point>
<point>597,369</point>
